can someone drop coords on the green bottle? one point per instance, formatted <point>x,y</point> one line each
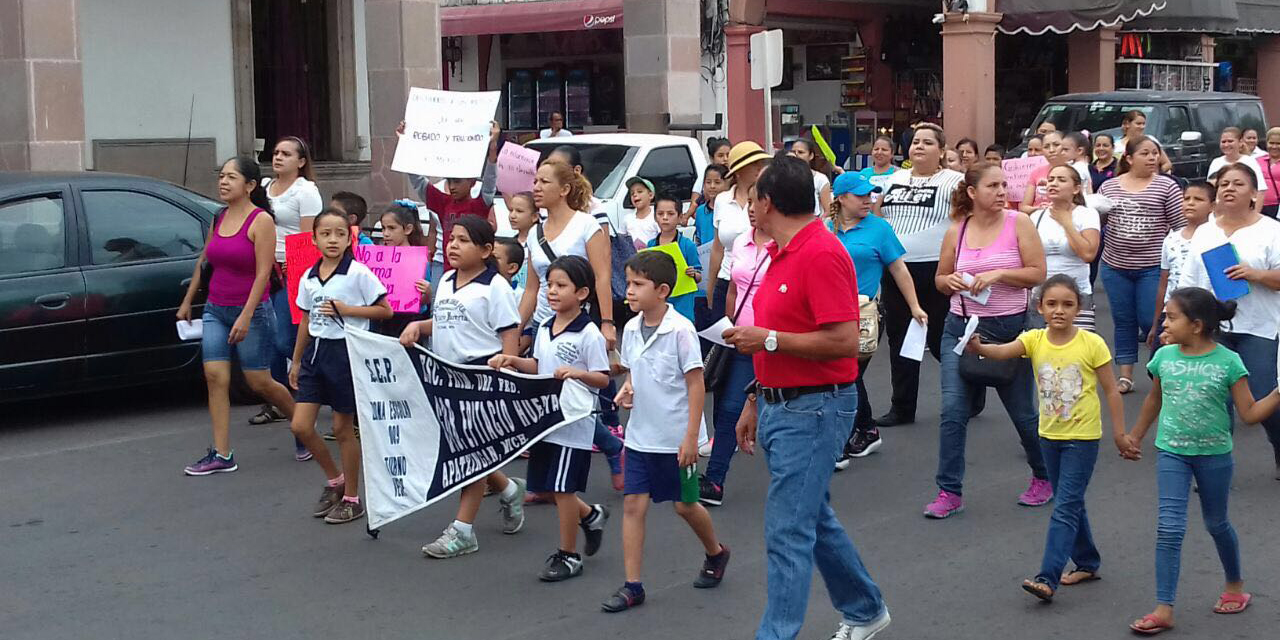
<point>689,493</point>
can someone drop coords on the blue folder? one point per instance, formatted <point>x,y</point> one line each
<point>1216,261</point>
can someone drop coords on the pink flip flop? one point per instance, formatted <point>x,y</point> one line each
<point>1241,599</point>
<point>1156,625</point>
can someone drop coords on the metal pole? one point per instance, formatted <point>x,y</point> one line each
<point>768,119</point>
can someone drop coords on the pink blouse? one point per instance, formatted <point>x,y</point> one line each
<point>744,258</point>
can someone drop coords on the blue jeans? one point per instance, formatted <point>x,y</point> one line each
<point>1173,482</point>
<point>284,338</point>
<point>1070,465</point>
<point>1132,293</point>
<point>729,400</point>
<point>1018,398</point>
<point>801,440</point>
<point>254,350</point>
<point>1259,357</point>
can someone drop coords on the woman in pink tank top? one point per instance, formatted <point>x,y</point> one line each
<point>237,315</point>
<point>991,259</point>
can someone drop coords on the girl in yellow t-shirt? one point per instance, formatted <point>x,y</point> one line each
<point>1072,370</point>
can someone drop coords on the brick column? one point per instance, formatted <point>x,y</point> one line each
<point>41,86</point>
<point>1091,62</point>
<point>969,75</point>
<point>402,50</point>
<point>662,52</point>
<point>746,105</point>
<point>1269,77</point>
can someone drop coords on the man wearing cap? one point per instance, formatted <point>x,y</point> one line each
<point>805,348</point>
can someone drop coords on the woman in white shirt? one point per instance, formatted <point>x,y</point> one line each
<point>804,150</point>
<point>1071,233</point>
<point>1256,239</point>
<point>729,217</point>
<point>1231,148</point>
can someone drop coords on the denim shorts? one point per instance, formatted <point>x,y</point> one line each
<point>258,346</point>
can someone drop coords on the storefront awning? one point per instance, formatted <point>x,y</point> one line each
<point>1036,17</point>
<point>1258,16</point>
<point>1191,16</point>
<point>530,17</point>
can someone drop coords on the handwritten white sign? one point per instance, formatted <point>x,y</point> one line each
<point>517,166</point>
<point>446,133</point>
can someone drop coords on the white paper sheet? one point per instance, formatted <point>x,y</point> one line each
<point>713,332</point>
<point>982,296</point>
<point>969,328</point>
<point>914,342</point>
<point>192,330</point>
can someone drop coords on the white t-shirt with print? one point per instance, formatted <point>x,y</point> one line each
<point>572,241</point>
<point>300,200</point>
<point>351,283</point>
<point>1258,245</point>
<point>919,210</point>
<point>730,220</point>
<point>1173,256</point>
<point>468,321</point>
<point>641,230</point>
<point>581,346</point>
<point>661,413</point>
<point>1059,258</point>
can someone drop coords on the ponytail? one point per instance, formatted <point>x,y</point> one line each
<point>1199,305</point>
<point>961,201</point>
<point>579,196</point>
<point>248,167</point>
<point>406,214</point>
<point>1131,147</point>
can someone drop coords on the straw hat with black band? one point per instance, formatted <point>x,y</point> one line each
<point>745,154</point>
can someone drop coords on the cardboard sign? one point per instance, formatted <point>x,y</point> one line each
<point>684,283</point>
<point>516,168</point>
<point>446,133</point>
<point>300,254</point>
<point>1017,173</point>
<point>398,268</point>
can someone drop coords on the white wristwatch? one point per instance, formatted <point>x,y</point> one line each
<point>771,342</point>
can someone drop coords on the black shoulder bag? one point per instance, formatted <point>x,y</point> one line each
<point>715,368</point>
<point>975,369</point>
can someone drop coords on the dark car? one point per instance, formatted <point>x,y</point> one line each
<point>1186,123</point>
<point>93,267</point>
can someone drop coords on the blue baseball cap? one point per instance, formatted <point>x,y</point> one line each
<point>852,182</point>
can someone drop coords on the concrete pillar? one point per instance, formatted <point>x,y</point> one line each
<point>746,105</point>
<point>1091,61</point>
<point>41,86</point>
<point>969,75</point>
<point>1207,46</point>
<point>663,56</point>
<point>1269,77</point>
<point>402,43</point>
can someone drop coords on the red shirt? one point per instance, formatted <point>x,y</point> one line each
<point>450,210</point>
<point>809,283</point>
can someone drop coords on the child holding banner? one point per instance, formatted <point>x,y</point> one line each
<point>665,392</point>
<point>667,212</point>
<point>569,346</point>
<point>336,291</point>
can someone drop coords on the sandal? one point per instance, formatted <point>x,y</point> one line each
<point>1241,600</point>
<point>268,415</point>
<point>1124,385</point>
<point>1038,589</point>
<point>1149,625</point>
<point>1069,578</point>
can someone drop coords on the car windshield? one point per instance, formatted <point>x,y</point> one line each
<point>604,165</point>
<point>1094,117</point>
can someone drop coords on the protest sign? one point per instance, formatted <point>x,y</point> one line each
<point>430,427</point>
<point>446,133</point>
<point>684,283</point>
<point>516,168</point>
<point>398,268</point>
<point>1017,173</point>
<point>300,254</point>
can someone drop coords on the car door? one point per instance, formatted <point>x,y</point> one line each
<point>1190,159</point>
<point>42,295</point>
<point>138,253</point>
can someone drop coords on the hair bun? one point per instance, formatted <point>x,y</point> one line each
<point>1226,309</point>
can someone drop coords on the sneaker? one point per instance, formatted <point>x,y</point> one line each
<point>705,450</point>
<point>345,512</point>
<point>513,510</point>
<point>451,544</point>
<point>713,570</point>
<point>615,470</point>
<point>844,460</point>
<point>301,454</point>
<point>561,565</point>
<point>329,499</point>
<point>622,599</point>
<point>617,430</point>
<point>864,443</point>
<point>593,528</point>
<point>212,463</point>
<point>1038,492</point>
<point>710,493</point>
<point>945,505</point>
<point>866,631</point>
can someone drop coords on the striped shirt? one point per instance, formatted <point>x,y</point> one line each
<point>919,209</point>
<point>1139,221</point>
<point>1002,253</point>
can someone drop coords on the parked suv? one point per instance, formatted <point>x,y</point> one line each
<point>1186,123</point>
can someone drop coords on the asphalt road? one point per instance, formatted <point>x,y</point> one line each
<point>103,537</point>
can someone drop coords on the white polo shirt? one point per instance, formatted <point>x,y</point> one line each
<point>581,346</point>
<point>468,320</point>
<point>351,283</point>
<point>660,415</point>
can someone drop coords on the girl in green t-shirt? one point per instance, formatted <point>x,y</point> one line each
<point>1193,379</point>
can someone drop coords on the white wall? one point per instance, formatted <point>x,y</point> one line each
<point>362,78</point>
<point>143,60</point>
<point>817,99</point>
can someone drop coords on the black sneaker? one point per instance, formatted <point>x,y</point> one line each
<point>710,493</point>
<point>864,443</point>
<point>593,528</point>
<point>893,419</point>
<point>623,599</point>
<point>713,569</point>
<point>561,565</point>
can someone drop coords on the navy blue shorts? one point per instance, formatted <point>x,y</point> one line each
<point>557,469</point>
<point>657,474</point>
<point>325,376</point>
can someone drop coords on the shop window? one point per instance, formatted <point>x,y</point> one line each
<point>671,171</point>
<point>127,226</point>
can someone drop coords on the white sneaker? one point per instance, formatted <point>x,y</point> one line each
<point>847,631</point>
<point>705,450</point>
<point>451,544</point>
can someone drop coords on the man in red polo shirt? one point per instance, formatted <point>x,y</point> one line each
<point>805,346</point>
